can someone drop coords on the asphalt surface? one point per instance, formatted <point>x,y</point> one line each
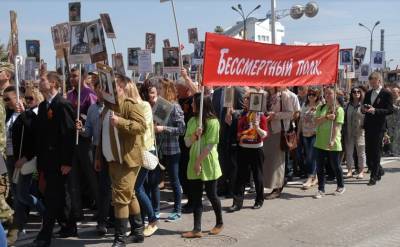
<point>363,216</point>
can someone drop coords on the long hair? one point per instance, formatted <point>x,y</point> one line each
<point>208,109</point>
<point>317,93</point>
<point>132,92</point>
<point>145,89</point>
<point>361,95</point>
<point>169,90</point>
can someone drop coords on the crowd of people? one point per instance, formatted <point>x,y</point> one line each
<point>57,164</point>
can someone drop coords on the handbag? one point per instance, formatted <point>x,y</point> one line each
<point>29,167</point>
<point>288,138</point>
<point>150,161</point>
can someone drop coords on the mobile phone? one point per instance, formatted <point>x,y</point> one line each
<point>366,106</point>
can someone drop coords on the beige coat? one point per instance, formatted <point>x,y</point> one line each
<point>131,126</point>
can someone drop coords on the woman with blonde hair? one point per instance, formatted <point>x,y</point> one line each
<point>145,203</point>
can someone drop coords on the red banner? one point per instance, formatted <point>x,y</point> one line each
<point>234,62</point>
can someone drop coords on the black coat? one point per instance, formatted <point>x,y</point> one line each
<point>383,106</point>
<point>27,120</point>
<point>55,134</point>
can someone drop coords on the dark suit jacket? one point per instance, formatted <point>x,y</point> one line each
<point>25,119</point>
<point>55,134</point>
<point>383,106</point>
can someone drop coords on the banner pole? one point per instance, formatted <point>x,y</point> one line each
<point>177,33</point>
<point>79,103</point>
<point>112,41</point>
<point>334,112</point>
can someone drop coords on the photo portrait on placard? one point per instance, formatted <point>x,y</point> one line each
<point>364,72</point>
<point>60,65</point>
<point>229,96</point>
<point>118,63</point>
<point>14,45</point>
<point>79,44</point>
<point>171,59</point>
<point>30,67</point>
<point>108,27</point>
<point>360,52</point>
<point>97,44</point>
<point>193,35</point>
<point>158,68</point>
<point>346,57</point>
<point>186,60</point>
<point>198,52</point>
<point>133,60</point>
<point>33,49</point>
<point>107,83</point>
<point>166,43</point>
<point>256,102</point>
<point>162,110</point>
<point>378,59</point>
<point>151,42</point>
<point>145,64</point>
<point>57,36</point>
<point>75,12</point>
<point>64,30</point>
<point>357,63</point>
<point>79,39</point>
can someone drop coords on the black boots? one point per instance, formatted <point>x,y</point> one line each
<point>137,228</point>
<point>120,230</point>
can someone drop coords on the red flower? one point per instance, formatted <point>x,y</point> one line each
<point>50,114</point>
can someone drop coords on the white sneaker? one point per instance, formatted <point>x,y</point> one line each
<point>339,191</point>
<point>319,194</point>
<point>150,230</point>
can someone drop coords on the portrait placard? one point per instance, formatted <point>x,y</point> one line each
<point>107,83</point>
<point>171,60</point>
<point>360,52</point>
<point>74,12</point>
<point>229,94</point>
<point>198,53</point>
<point>118,63</point>
<point>108,27</point>
<point>57,36</point>
<point>158,68</point>
<point>65,34</point>
<point>33,49</point>
<point>151,42</point>
<point>97,43</point>
<point>186,61</point>
<point>145,65</point>
<point>346,56</point>
<point>162,110</point>
<point>79,45</point>
<point>167,44</point>
<point>133,60</point>
<point>378,59</point>
<point>31,66</point>
<point>256,102</point>
<point>193,35</point>
<point>364,72</point>
<point>13,42</point>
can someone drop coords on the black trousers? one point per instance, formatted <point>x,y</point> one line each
<point>54,198</point>
<point>196,193</point>
<point>249,159</point>
<point>373,151</point>
<point>82,175</point>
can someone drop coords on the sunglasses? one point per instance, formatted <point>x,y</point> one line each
<point>28,98</point>
<point>311,95</point>
<point>6,99</point>
<point>356,92</point>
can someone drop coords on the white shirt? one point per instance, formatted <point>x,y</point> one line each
<point>290,104</point>
<point>106,145</point>
<point>375,94</point>
<point>9,124</point>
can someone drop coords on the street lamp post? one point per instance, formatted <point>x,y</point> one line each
<point>239,9</point>
<point>371,31</point>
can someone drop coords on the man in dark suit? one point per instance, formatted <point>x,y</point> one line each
<point>226,146</point>
<point>378,103</point>
<point>55,129</point>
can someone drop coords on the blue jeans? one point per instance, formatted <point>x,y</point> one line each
<point>308,145</point>
<point>172,165</point>
<point>152,189</point>
<point>334,162</point>
<point>25,199</point>
<point>146,208</point>
<point>3,240</point>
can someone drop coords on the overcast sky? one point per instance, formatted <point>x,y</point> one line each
<point>336,22</point>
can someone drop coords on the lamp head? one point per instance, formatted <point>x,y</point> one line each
<point>377,23</point>
<point>258,6</point>
<point>239,6</point>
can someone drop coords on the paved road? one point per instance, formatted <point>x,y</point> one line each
<point>362,217</point>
